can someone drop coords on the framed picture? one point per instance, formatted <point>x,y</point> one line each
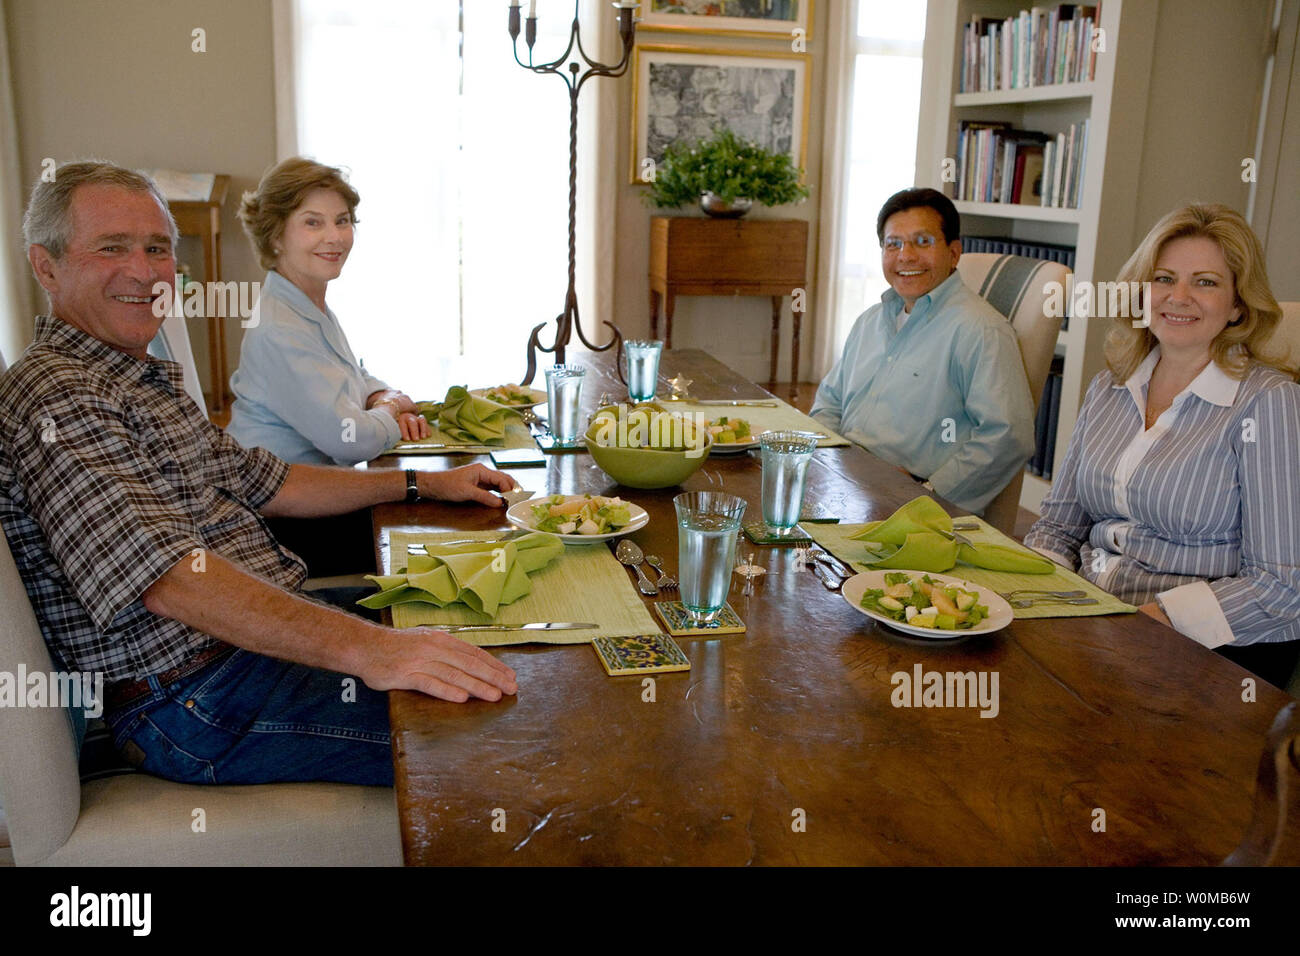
<point>684,93</point>
<point>761,18</point>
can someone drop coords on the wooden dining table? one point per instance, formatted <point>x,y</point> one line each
<point>1116,740</point>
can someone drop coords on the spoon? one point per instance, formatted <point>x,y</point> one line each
<point>630,554</point>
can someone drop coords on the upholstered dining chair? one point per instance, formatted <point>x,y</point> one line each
<point>1018,287</point>
<point>54,819</point>
<point>173,343</point>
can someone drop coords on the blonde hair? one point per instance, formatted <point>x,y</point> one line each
<point>265,211</point>
<point>1241,342</point>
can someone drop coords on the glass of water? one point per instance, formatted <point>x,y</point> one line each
<point>707,522</point>
<point>785,467</point>
<point>642,368</point>
<point>563,401</point>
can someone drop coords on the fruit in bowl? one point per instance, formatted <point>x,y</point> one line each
<point>646,446</point>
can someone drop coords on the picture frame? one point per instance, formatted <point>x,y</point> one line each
<point>755,18</point>
<point>683,93</point>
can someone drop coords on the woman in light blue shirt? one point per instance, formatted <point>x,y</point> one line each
<point>1180,490</point>
<point>299,391</point>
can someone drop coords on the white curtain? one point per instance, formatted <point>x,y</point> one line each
<point>874,91</point>
<point>15,300</point>
<point>461,158</point>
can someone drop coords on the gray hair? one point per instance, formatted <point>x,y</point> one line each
<point>48,220</point>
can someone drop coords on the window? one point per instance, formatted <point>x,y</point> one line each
<point>881,143</point>
<point>461,160</point>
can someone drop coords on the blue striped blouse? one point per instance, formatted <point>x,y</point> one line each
<point>1201,511</point>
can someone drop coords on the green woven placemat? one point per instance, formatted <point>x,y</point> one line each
<point>762,418</point>
<point>586,583</point>
<point>835,538</point>
<point>517,436</point>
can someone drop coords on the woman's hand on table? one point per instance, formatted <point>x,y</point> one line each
<point>435,663</point>
<point>467,483</point>
<point>413,426</point>
<point>410,422</point>
<point>1152,609</point>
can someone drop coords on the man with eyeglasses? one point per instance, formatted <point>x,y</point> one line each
<point>931,379</point>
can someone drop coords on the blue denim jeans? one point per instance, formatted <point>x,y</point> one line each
<point>247,718</point>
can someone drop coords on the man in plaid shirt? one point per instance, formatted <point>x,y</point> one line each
<point>136,525</point>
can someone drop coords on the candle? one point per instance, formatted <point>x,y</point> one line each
<point>514,3</point>
<point>532,9</point>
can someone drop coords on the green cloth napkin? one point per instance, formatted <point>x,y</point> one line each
<point>467,418</point>
<point>481,575</point>
<point>586,584</point>
<point>911,539</point>
<point>840,541</point>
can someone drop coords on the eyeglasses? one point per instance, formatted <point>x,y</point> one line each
<point>922,240</point>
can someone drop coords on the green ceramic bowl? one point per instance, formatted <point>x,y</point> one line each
<point>646,467</point>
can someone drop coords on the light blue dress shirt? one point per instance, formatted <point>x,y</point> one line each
<point>1202,509</point>
<point>944,397</point>
<point>299,391</point>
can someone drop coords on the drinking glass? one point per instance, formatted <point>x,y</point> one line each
<point>563,400</point>
<point>707,522</point>
<point>785,466</point>
<point>642,368</point>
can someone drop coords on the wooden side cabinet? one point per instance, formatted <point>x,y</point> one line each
<point>202,218</point>
<point>690,256</point>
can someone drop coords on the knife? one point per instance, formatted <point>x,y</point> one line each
<point>536,626</point>
<point>508,536</point>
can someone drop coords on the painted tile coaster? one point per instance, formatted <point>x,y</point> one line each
<point>760,533</point>
<point>678,621</point>
<point>640,654</point>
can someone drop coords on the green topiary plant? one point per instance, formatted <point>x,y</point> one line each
<point>728,167</point>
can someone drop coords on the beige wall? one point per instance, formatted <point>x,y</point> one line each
<point>1207,72</point>
<point>735,330</point>
<point>118,80</point>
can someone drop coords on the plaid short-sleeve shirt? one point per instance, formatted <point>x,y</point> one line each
<point>109,475</point>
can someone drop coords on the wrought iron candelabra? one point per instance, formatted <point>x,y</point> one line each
<point>568,321</point>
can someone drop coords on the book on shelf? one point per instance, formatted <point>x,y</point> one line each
<point>997,163</point>
<point>1037,47</point>
<point>1063,164</point>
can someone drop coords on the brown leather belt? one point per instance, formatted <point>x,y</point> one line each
<point>121,693</point>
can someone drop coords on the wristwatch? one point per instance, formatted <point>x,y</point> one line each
<point>412,489</point>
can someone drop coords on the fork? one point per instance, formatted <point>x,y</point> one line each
<point>666,581</point>
<point>1023,603</point>
<point>1055,594</point>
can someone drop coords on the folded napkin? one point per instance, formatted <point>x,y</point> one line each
<point>465,417</point>
<point>915,537</point>
<point>483,575</point>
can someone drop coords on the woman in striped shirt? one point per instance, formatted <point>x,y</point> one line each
<point>1180,490</point>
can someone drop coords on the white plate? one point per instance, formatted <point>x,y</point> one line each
<point>521,516</point>
<point>733,448</point>
<point>539,397</point>
<point>1000,613</point>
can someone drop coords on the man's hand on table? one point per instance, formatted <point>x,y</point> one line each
<point>467,483</point>
<point>435,663</point>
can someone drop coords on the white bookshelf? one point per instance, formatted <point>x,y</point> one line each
<point>1101,228</point>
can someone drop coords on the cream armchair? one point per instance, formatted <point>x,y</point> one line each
<point>1017,287</point>
<point>136,819</point>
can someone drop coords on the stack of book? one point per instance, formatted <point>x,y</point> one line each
<point>1038,47</point>
<point>1049,411</point>
<point>997,163</point>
